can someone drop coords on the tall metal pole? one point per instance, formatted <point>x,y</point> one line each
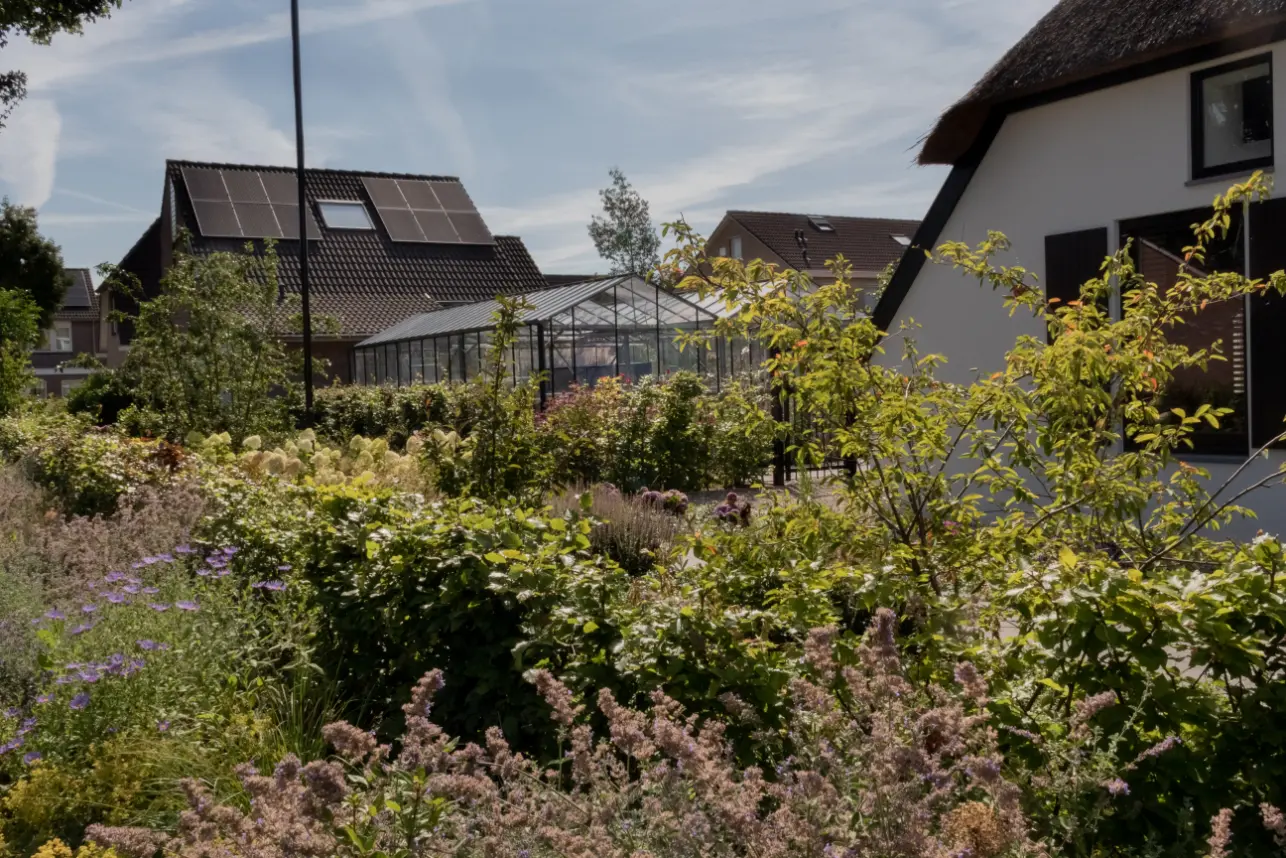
<point>303,211</point>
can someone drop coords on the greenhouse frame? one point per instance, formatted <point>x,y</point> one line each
<point>570,335</point>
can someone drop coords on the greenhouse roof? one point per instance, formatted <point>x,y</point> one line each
<point>544,306</point>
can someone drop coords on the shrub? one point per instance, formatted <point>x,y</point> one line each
<point>743,434</point>
<point>392,413</point>
<point>638,535</point>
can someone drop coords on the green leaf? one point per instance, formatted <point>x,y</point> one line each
<point>590,627</point>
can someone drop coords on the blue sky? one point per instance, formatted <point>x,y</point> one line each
<point>707,105</point>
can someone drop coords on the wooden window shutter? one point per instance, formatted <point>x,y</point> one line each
<point>1072,259</point>
<point>1267,324</point>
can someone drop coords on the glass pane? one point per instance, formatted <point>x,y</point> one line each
<point>444,358</point>
<point>345,215</point>
<point>1237,116</point>
<point>1158,254</point>
<point>403,364</point>
<point>417,362</point>
<point>472,356</point>
<point>430,361</point>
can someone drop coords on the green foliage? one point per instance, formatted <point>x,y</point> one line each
<point>392,413</point>
<point>624,235</point>
<point>207,353</point>
<point>19,332</point>
<point>103,397</point>
<point>29,262</point>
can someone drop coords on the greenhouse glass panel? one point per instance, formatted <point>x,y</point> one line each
<point>417,362</point>
<point>403,364</point>
<point>444,358</point>
<point>472,356</point>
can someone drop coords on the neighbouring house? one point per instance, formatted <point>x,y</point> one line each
<point>806,243</point>
<point>72,337</point>
<point>383,247</point>
<point>1114,120</point>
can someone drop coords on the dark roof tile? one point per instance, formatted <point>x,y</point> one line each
<point>865,242</point>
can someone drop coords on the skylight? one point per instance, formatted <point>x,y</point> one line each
<point>903,240</point>
<point>821,224</point>
<point>345,215</point>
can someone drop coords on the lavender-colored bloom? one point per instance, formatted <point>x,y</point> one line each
<point>11,745</point>
<point>285,567</point>
<point>230,550</point>
<point>151,591</point>
<point>214,558</point>
<point>81,629</point>
<point>217,562</point>
<point>224,573</point>
<point>44,698</point>
<point>275,586</point>
<point>55,614</point>
<point>159,608</point>
<point>136,566</point>
<point>80,701</point>
<point>88,609</point>
<point>134,581</point>
<point>26,726</point>
<point>204,573</point>
<point>1160,747</point>
<point>113,577</point>
<point>184,549</point>
<point>1117,787</point>
<point>115,598</point>
<point>32,757</point>
<point>149,561</point>
<point>90,675</point>
<point>187,606</point>
<point>162,726</point>
<point>12,712</point>
<point>165,558</point>
<point>148,645</point>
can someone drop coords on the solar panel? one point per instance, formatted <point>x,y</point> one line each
<point>401,225</point>
<point>419,195</point>
<point>471,228</point>
<point>281,187</point>
<point>288,218</point>
<point>77,297</point>
<point>217,219</point>
<point>244,187</point>
<point>205,184</point>
<point>384,193</point>
<point>258,221</point>
<point>437,227</point>
<point>452,196</point>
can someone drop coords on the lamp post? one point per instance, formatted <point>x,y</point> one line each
<point>303,212</point>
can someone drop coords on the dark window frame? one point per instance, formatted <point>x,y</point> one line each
<point>1197,120</point>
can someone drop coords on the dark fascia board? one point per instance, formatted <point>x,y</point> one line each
<point>930,231</point>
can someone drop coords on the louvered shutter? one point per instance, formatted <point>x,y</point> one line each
<point>1267,324</point>
<point>1072,259</point>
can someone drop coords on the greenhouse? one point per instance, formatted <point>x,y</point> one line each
<point>577,334</point>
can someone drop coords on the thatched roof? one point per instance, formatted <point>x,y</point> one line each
<point>1083,39</point>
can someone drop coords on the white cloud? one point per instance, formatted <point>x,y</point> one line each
<point>29,151</point>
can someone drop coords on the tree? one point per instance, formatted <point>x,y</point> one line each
<point>207,354</point>
<point>19,330</point>
<point>29,262</point>
<point>40,22</point>
<point>625,235</point>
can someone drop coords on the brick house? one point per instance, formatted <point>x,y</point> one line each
<point>74,333</point>
<point>383,247</point>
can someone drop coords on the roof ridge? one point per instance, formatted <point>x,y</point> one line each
<point>735,212</point>
<point>382,174</point>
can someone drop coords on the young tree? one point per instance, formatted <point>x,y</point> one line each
<point>207,354</point>
<point>624,235</point>
<point>29,262</point>
<point>40,21</point>
<point>19,330</point>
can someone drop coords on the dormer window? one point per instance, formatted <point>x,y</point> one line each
<point>821,224</point>
<point>1232,118</point>
<point>339,214</point>
<point>903,240</point>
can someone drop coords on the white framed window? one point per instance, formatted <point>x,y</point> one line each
<point>1232,117</point>
<point>60,337</point>
<point>345,214</point>
<point>736,247</point>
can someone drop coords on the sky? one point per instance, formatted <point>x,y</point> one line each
<point>706,105</point>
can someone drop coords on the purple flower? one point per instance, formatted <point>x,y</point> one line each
<point>230,550</point>
<point>159,608</point>
<point>88,609</point>
<point>136,566</point>
<point>275,586</point>
<point>135,665</point>
<point>11,745</point>
<point>115,598</point>
<point>80,701</point>
<point>90,675</point>
<point>214,558</point>
<point>148,561</point>
<point>216,562</point>
<point>113,577</point>
<point>81,629</point>
<point>44,698</point>
<point>32,757</point>
<point>1117,787</point>
<point>1160,747</point>
<point>27,726</point>
<point>285,567</point>
<point>55,614</point>
<point>187,606</point>
<point>149,645</point>
<point>204,573</point>
<point>12,712</point>
<point>162,726</point>
<point>165,558</point>
<point>224,573</point>
<point>184,549</point>
<point>150,591</point>
<point>134,581</point>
